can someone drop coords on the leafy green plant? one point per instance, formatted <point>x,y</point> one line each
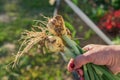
<point>116,40</point>
<point>88,34</point>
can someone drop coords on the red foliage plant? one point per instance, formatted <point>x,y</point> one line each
<point>110,22</point>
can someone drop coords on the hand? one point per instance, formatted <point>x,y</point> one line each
<point>97,54</point>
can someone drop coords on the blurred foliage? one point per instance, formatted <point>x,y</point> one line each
<point>115,4</point>
<point>96,9</point>
<point>88,34</point>
<point>36,7</point>
<point>2,2</point>
<point>13,28</point>
<point>116,40</point>
<point>38,67</point>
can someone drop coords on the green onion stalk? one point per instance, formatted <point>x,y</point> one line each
<point>91,71</point>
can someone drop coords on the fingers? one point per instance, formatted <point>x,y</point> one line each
<point>71,65</point>
<point>81,78</point>
<point>80,72</point>
<point>89,47</point>
<point>79,61</point>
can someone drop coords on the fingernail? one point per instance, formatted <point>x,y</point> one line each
<point>72,65</point>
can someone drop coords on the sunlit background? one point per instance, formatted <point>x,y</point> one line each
<point>17,16</point>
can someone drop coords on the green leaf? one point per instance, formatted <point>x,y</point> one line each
<point>86,76</point>
<point>69,26</point>
<point>101,70</point>
<point>90,71</point>
<point>71,44</point>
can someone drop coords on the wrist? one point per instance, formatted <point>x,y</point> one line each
<point>115,52</point>
<point>115,48</point>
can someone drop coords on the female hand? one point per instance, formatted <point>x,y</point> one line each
<point>108,55</point>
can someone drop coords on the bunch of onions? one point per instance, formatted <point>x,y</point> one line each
<point>52,36</point>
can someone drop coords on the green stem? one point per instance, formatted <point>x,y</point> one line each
<point>71,44</point>
<point>86,76</point>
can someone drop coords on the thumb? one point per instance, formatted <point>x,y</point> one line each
<point>70,65</point>
<point>80,60</point>
<point>89,47</point>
